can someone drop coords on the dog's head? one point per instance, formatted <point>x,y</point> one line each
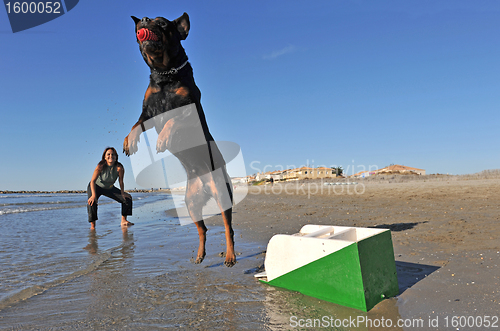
<point>160,40</point>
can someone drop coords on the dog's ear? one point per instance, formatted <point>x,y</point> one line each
<point>136,20</point>
<point>182,24</point>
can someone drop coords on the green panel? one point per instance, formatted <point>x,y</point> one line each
<point>335,278</point>
<point>376,256</point>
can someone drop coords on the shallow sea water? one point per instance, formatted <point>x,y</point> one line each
<point>57,274</point>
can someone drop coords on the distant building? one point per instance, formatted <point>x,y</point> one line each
<point>402,169</point>
<point>392,169</point>
<point>310,173</point>
<point>295,174</point>
<point>236,180</point>
<point>363,174</point>
<point>275,175</point>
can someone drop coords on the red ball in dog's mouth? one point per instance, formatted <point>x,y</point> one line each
<point>145,34</point>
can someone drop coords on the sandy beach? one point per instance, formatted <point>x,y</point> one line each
<point>445,232</point>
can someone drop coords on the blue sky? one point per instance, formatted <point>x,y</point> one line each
<point>356,84</point>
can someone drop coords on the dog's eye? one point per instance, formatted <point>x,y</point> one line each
<point>162,23</point>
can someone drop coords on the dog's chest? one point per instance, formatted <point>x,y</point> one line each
<point>166,99</point>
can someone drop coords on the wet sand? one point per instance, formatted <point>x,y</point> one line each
<point>445,235</point>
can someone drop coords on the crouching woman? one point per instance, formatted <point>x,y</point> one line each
<point>106,173</point>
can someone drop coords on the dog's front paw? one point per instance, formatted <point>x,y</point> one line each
<point>164,137</point>
<point>161,144</point>
<point>130,143</point>
<point>128,146</point>
<point>126,150</point>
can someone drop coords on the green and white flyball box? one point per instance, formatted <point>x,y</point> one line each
<point>350,266</point>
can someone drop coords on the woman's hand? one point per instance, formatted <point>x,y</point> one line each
<point>91,200</point>
<point>125,195</point>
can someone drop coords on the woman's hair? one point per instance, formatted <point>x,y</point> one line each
<point>103,162</point>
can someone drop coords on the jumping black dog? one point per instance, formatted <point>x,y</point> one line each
<point>170,92</point>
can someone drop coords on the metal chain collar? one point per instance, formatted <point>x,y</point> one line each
<point>172,71</point>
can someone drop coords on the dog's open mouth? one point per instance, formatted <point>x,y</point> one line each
<point>146,35</point>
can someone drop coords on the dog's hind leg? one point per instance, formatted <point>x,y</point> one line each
<point>202,233</point>
<point>195,199</point>
<point>230,255</point>
<point>221,188</point>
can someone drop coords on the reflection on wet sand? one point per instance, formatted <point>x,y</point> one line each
<point>92,247</point>
<point>108,288</point>
<point>289,308</point>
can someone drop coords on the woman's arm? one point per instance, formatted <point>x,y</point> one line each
<point>121,175</point>
<point>96,173</point>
